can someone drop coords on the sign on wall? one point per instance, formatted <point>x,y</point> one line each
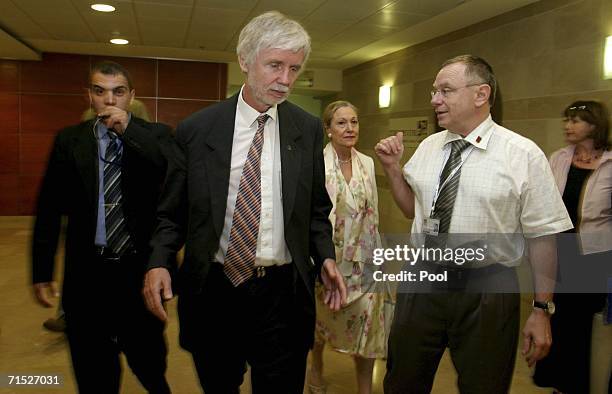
<point>415,129</point>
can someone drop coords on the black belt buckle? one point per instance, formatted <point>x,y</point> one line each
<point>106,254</point>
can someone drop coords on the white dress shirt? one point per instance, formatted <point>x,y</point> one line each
<point>271,246</point>
<point>506,188</point>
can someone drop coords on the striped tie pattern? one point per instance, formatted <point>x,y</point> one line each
<point>448,193</point>
<point>242,245</point>
<point>117,236</point>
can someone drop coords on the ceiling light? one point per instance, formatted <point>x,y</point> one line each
<point>103,7</point>
<point>119,41</point>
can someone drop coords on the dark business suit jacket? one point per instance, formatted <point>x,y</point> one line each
<point>70,188</point>
<point>193,205</point>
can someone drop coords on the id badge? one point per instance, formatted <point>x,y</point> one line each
<point>431,226</point>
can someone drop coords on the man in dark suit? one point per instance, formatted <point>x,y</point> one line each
<point>246,195</point>
<point>105,175</point>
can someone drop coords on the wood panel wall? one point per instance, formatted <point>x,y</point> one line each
<point>39,98</point>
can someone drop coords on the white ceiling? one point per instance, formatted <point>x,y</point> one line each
<point>344,32</point>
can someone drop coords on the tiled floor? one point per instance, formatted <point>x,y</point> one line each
<point>25,347</point>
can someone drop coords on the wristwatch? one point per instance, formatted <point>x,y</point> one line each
<point>546,306</point>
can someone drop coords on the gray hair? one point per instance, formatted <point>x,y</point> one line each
<point>272,30</point>
<point>477,70</point>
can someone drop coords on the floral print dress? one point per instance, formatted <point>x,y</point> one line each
<point>359,328</point>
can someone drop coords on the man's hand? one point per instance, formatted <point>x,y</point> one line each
<point>42,290</point>
<point>115,118</point>
<point>390,150</point>
<point>537,337</point>
<point>157,284</point>
<point>335,289</point>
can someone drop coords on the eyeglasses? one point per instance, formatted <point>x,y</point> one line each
<point>445,92</point>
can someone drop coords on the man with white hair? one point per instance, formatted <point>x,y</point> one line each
<point>246,195</point>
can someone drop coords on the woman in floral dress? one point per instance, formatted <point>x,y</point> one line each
<point>358,329</point>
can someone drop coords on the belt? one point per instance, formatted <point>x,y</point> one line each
<point>107,255</point>
<point>261,271</point>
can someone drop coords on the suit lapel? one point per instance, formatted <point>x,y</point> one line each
<point>291,158</point>
<point>86,159</point>
<point>218,160</point>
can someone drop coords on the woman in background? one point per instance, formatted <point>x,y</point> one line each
<point>583,172</point>
<point>358,329</point>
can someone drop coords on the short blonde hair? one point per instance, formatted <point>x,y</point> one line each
<point>330,110</point>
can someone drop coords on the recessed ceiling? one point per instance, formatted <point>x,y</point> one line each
<point>344,32</point>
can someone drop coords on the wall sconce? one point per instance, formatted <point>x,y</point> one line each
<point>607,66</point>
<point>384,96</point>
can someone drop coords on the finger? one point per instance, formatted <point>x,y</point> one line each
<point>157,307</point>
<point>54,290</point>
<point>328,296</point>
<point>532,358</point>
<point>337,300</point>
<point>167,291</point>
<point>397,143</point>
<point>153,299</point>
<point>540,351</point>
<point>41,296</point>
<point>526,344</point>
<point>332,301</point>
<point>383,147</point>
<point>343,291</point>
<point>388,145</point>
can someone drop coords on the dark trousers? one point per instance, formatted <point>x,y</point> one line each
<point>567,367</point>
<point>261,322</point>
<point>111,320</point>
<point>480,329</point>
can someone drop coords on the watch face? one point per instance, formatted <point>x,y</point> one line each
<point>551,307</point>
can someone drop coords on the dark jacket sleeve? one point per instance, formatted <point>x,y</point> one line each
<point>49,211</point>
<point>321,244</point>
<point>152,141</point>
<point>169,235</point>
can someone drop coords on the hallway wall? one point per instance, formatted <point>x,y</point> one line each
<point>39,98</point>
<point>545,56</point>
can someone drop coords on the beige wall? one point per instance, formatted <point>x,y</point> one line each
<point>545,55</point>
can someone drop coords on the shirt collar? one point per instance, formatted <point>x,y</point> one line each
<point>479,137</point>
<point>250,114</point>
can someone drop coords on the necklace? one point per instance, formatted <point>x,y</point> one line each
<point>344,161</point>
<point>587,159</point>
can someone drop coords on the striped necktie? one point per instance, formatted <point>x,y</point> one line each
<point>117,236</point>
<point>448,191</point>
<point>242,245</point>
